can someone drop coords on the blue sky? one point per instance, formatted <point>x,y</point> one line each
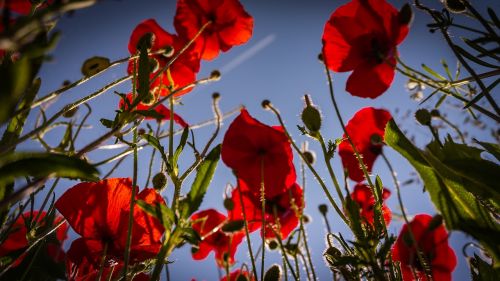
<point>279,63</point>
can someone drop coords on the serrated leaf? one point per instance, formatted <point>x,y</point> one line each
<point>25,164</point>
<point>492,148</point>
<point>459,208</point>
<point>204,175</point>
<point>158,211</point>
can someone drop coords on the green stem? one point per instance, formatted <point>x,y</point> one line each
<point>460,135</point>
<point>103,260</point>
<point>263,205</point>
<point>247,233</point>
<point>405,217</point>
<point>311,168</point>
<point>330,169</point>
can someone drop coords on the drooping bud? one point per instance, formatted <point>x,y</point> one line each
<point>215,96</point>
<point>70,113</point>
<point>94,65</point>
<point>455,6</point>
<point>228,204</point>
<point>423,116</point>
<point>159,181</point>
<point>405,15</point>
<point>435,113</point>
<point>272,244</point>
<point>310,156</point>
<point>311,117</point>
<point>323,209</point>
<point>265,104</point>
<point>215,75</point>
<point>273,273</point>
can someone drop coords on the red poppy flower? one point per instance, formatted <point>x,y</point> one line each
<point>235,275</point>
<point>99,211</point>
<point>363,195</point>
<point>17,238</point>
<point>362,36</point>
<point>160,109</point>
<point>432,242</point>
<point>182,71</point>
<point>208,224</point>
<point>230,24</point>
<point>250,148</point>
<point>23,7</point>
<point>281,212</point>
<point>366,124</point>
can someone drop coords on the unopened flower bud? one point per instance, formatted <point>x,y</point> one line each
<point>159,181</point>
<point>66,83</point>
<point>323,209</point>
<point>435,113</point>
<point>215,75</point>
<point>168,51</point>
<point>265,104</point>
<point>94,65</point>
<point>273,273</point>
<point>320,57</point>
<point>311,117</point>
<point>306,219</point>
<point>455,6</point>
<point>228,204</point>
<point>423,116</point>
<point>405,15</point>
<point>310,156</point>
<point>141,131</point>
<point>272,244</point>
<point>215,96</point>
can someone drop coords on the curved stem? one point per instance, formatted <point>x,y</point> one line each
<point>247,233</point>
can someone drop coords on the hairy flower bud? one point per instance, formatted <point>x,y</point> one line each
<point>423,116</point>
<point>311,117</point>
<point>159,181</point>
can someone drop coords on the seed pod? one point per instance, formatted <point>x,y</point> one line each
<point>159,181</point>
<point>423,116</point>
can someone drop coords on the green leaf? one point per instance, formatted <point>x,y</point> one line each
<point>473,58</point>
<point>459,208</point>
<point>107,123</point>
<point>494,17</point>
<point>158,211</point>
<point>149,113</point>
<point>154,142</point>
<point>482,271</point>
<point>204,175</point>
<point>182,143</point>
<point>432,72</point>
<point>144,68</point>
<point>45,164</point>
<point>191,236</point>
<point>15,80</point>
<point>481,94</point>
<point>492,148</point>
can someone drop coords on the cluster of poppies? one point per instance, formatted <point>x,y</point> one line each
<point>262,160</point>
<point>362,36</point>
<point>204,28</point>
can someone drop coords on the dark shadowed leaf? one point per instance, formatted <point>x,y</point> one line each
<point>45,164</point>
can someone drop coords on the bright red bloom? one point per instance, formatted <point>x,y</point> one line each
<point>208,224</point>
<point>366,124</point>
<point>250,147</point>
<point>281,212</point>
<point>182,71</point>
<point>432,241</point>
<point>161,109</point>
<point>17,238</point>
<point>362,36</point>
<point>363,195</point>
<point>233,276</point>
<point>230,24</point>
<point>99,212</point>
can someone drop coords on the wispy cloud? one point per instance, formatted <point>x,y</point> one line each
<point>248,53</point>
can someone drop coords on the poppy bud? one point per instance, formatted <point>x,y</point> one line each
<point>423,116</point>
<point>435,113</point>
<point>94,65</point>
<point>168,51</point>
<point>141,131</point>
<point>405,15</point>
<point>265,104</point>
<point>454,6</point>
<point>70,113</point>
<point>215,75</point>
<point>66,83</point>
<point>323,209</point>
<point>159,181</point>
<point>273,273</point>
<point>228,204</point>
<point>310,156</point>
<point>233,226</point>
<point>216,96</point>
<point>272,244</point>
<point>320,57</point>
<point>306,219</point>
<point>311,116</point>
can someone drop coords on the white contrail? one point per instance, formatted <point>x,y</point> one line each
<point>248,53</point>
